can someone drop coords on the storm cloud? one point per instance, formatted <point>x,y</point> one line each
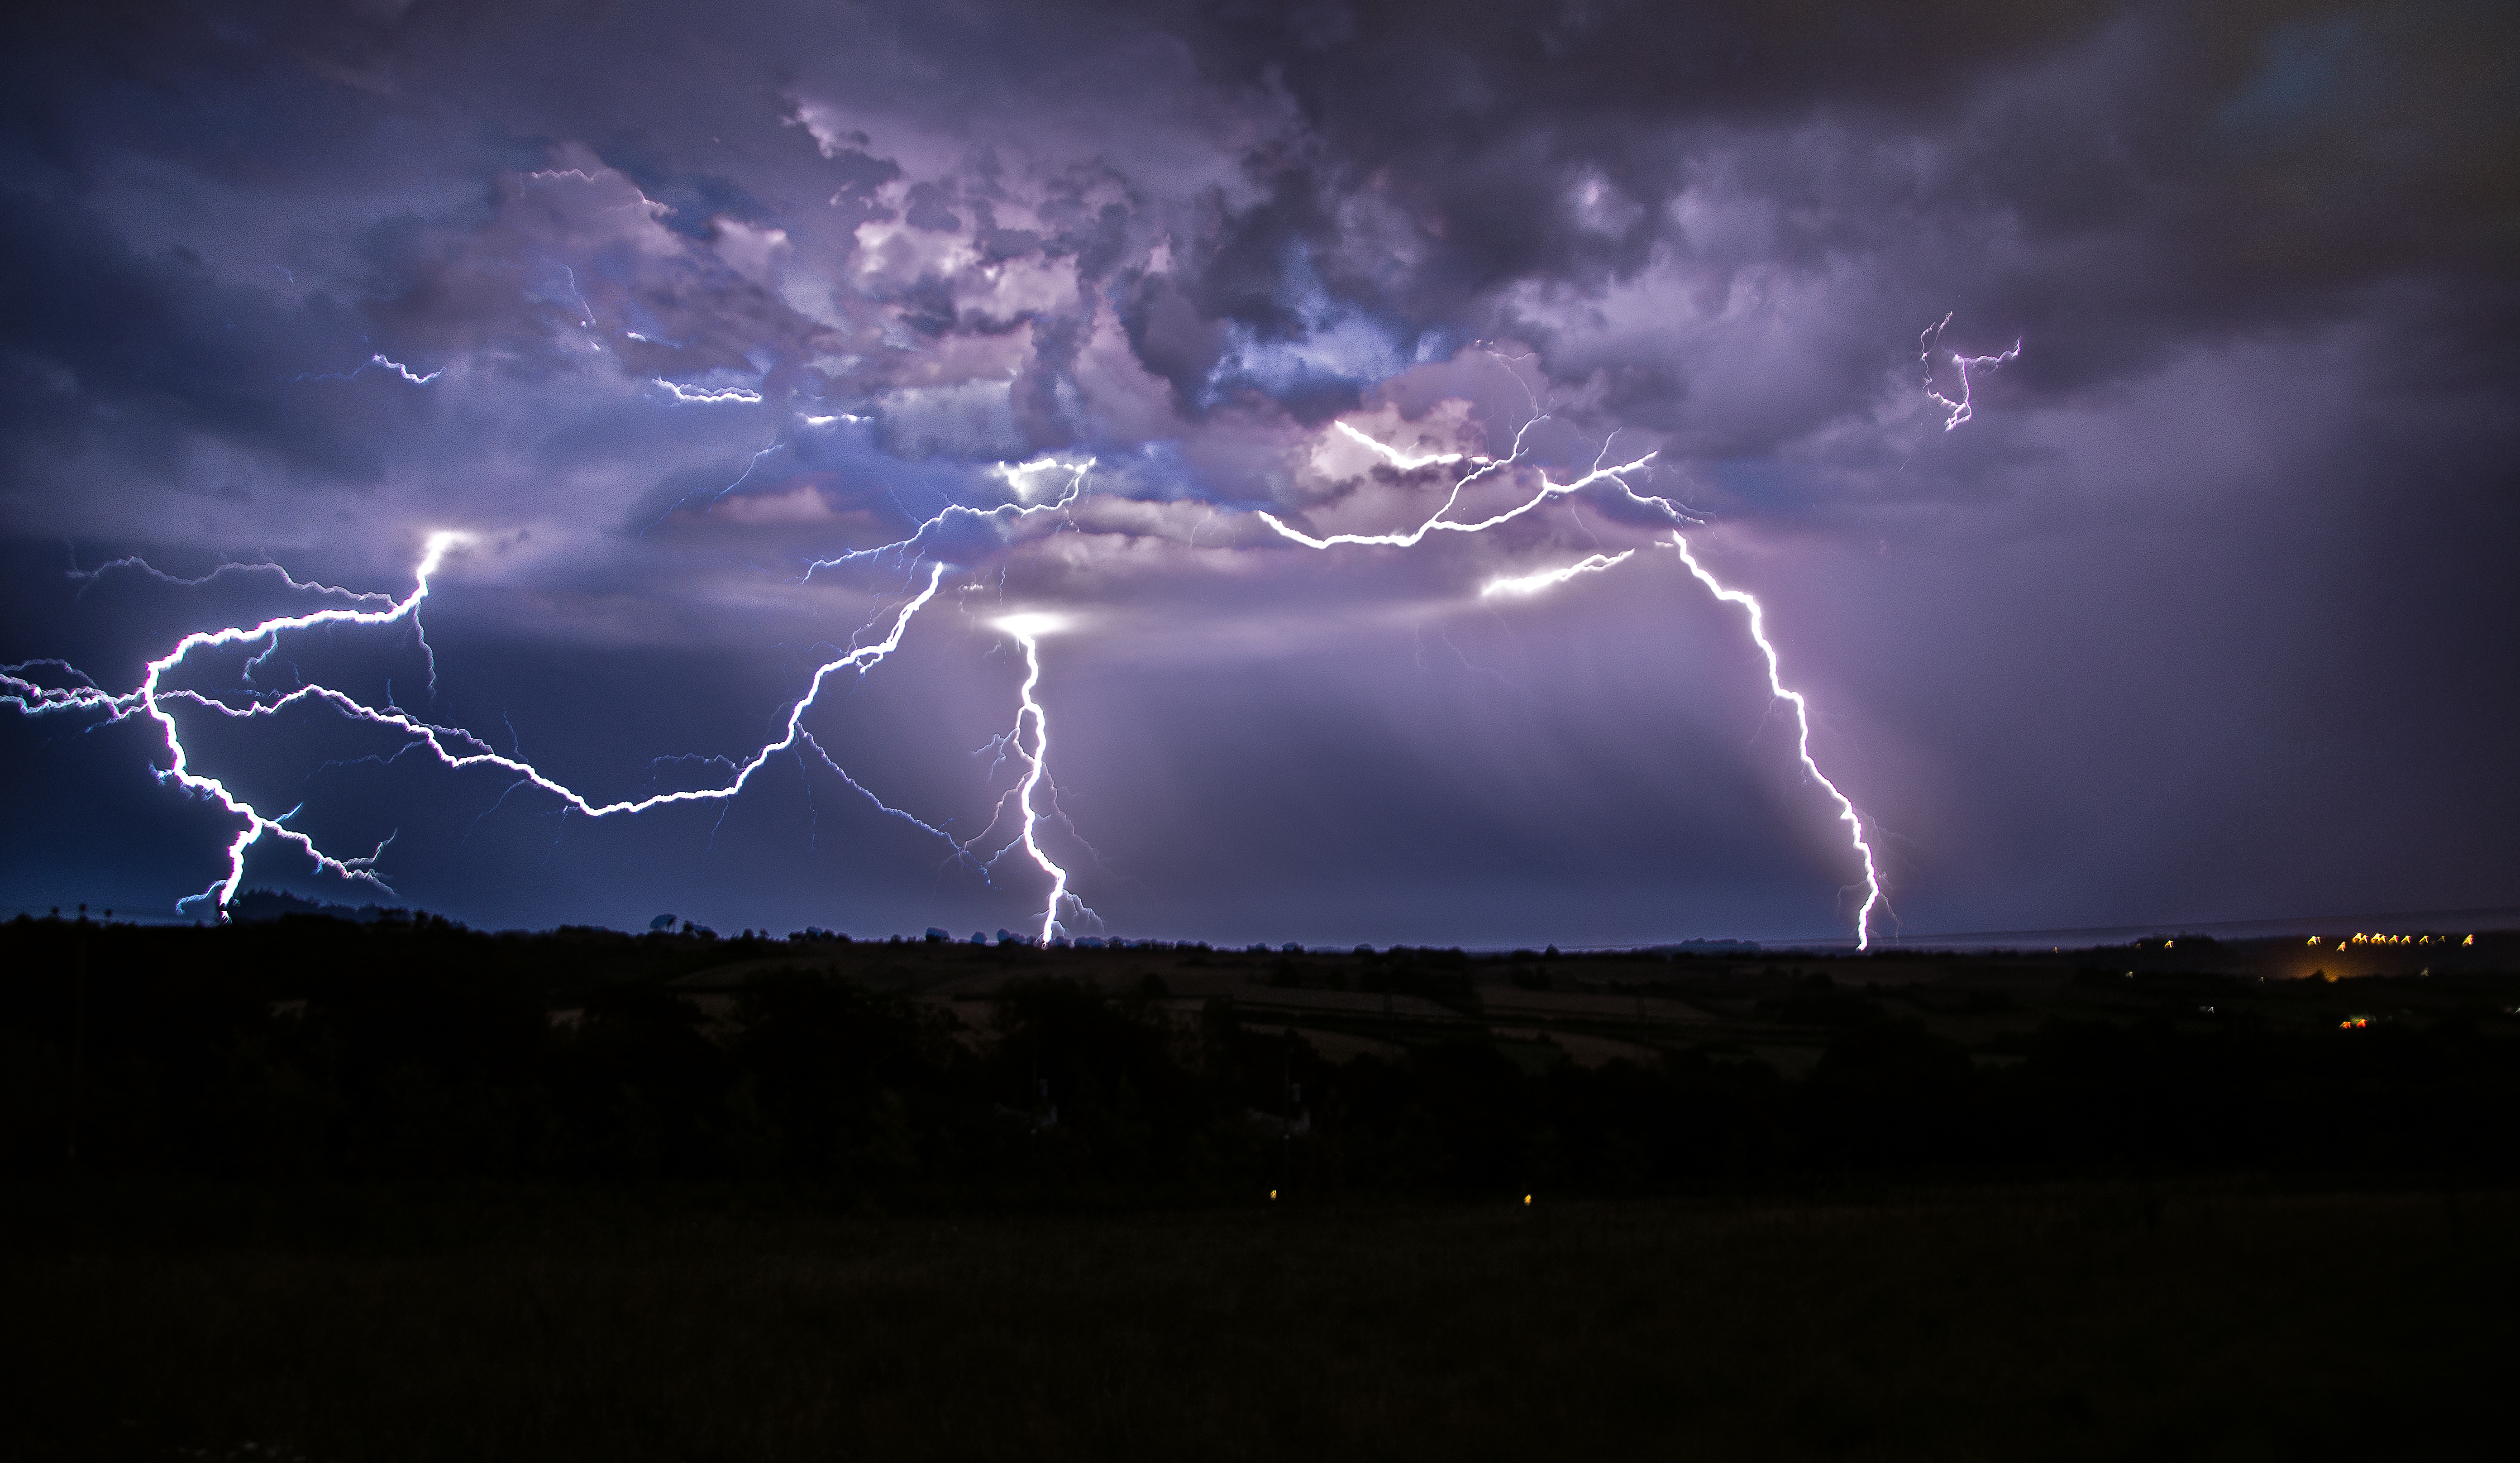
<point>717,331</point>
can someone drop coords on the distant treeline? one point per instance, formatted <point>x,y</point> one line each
<point>417,1049</point>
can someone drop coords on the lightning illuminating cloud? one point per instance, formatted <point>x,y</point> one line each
<point>1034,796</point>
<point>1955,409</point>
<point>1802,724</point>
<point>1613,479</point>
<point>1027,629</point>
<point>1550,579</point>
<point>453,747</point>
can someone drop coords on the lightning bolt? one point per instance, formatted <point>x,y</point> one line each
<point>1017,477</point>
<point>147,699</point>
<point>1551,578</point>
<point>1612,478</point>
<point>454,748</point>
<point>1955,410</point>
<point>459,750</point>
<point>378,359</point>
<point>1027,630</point>
<point>1437,523</point>
<point>700,396</point>
<point>1778,689</point>
<point>137,564</point>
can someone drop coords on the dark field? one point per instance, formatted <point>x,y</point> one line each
<point>2101,1321</point>
<point>313,1189</point>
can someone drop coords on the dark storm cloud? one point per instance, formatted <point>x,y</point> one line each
<point>718,295</point>
<point>148,350</point>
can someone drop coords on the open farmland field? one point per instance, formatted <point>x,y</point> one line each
<point>2091,1321</point>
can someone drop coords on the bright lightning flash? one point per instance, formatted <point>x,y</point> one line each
<point>1955,410</point>
<point>457,749</point>
<point>453,747</point>
<point>1027,630</point>
<point>1802,724</point>
<point>701,395</point>
<point>1610,479</point>
<point>1550,579</point>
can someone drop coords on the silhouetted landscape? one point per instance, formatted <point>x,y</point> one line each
<point>672,1195</point>
<point>928,1071</point>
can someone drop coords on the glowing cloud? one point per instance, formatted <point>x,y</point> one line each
<point>1547,579</point>
<point>1049,484</point>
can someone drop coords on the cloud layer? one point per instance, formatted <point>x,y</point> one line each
<point>713,330</point>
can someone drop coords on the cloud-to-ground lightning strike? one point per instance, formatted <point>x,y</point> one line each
<point>1802,732</point>
<point>467,750</point>
<point>148,700</point>
<point>1027,630</point>
<point>1955,410</point>
<point>1533,583</point>
<point>457,748</point>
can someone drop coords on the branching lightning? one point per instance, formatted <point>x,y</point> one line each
<point>1034,489</point>
<point>147,699</point>
<point>1436,522</point>
<point>1802,725</point>
<point>921,539</point>
<point>703,397</point>
<point>454,748</point>
<point>1612,478</point>
<point>459,750</point>
<point>1955,410</point>
<point>1027,630</point>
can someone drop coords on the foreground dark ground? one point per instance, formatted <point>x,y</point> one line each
<point>313,1189</point>
<point>2074,1321</point>
<point>955,1075</point>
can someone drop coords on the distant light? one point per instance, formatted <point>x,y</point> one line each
<point>1032,626</point>
<point>1526,1201</point>
<point>1273,1196</point>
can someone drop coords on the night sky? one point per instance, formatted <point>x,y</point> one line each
<point>2206,613</point>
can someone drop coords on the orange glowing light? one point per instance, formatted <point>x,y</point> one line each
<point>2354,1022</point>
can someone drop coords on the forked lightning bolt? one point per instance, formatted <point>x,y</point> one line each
<point>1955,410</point>
<point>453,747</point>
<point>1801,728</point>
<point>1614,479</point>
<point>1027,629</point>
<point>457,749</point>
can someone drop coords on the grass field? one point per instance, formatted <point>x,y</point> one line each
<point>2107,1321</point>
